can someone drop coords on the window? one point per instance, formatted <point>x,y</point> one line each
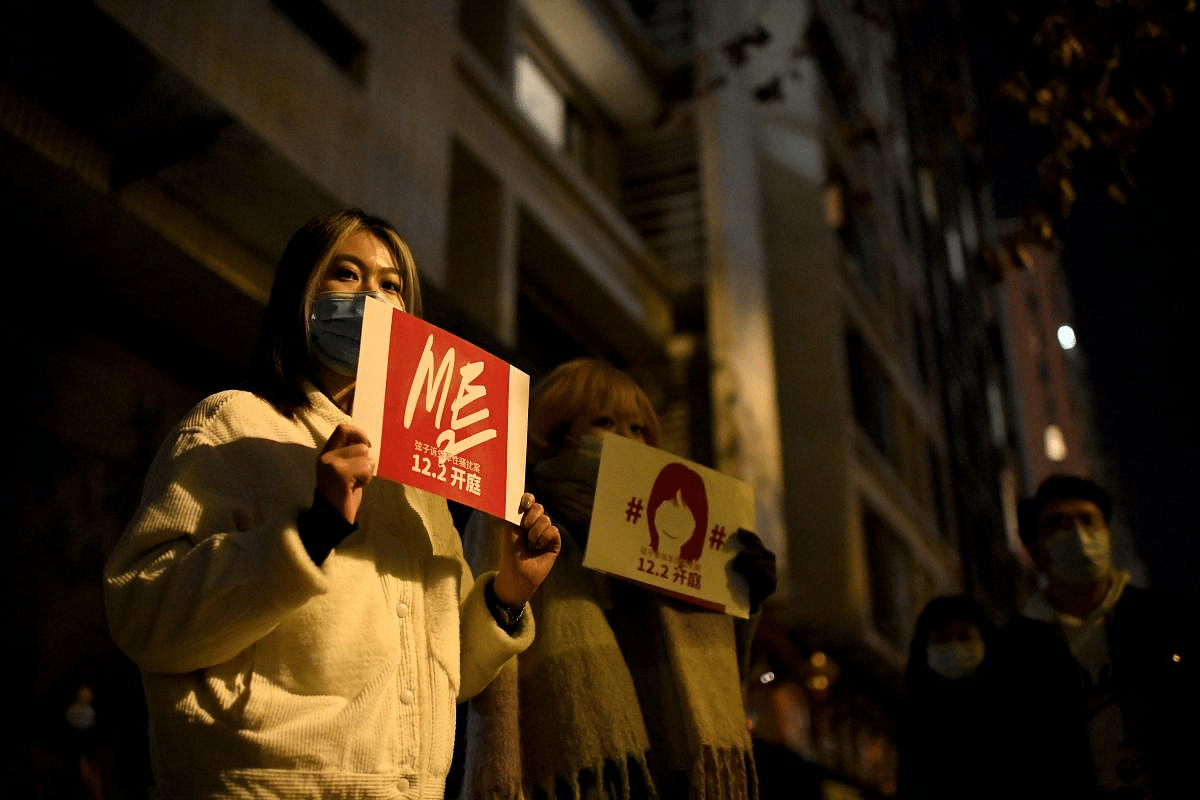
<point>969,222</point>
<point>486,24</point>
<point>858,244</point>
<point>329,33</point>
<point>562,112</point>
<point>835,205</point>
<point>871,395</point>
<point>838,78</point>
<point>940,503</point>
<point>902,215</point>
<point>475,239</point>
<point>920,346</point>
<point>1056,443</point>
<point>954,251</point>
<point>888,569</point>
<point>541,102</point>
<point>995,404</point>
<point>927,187</point>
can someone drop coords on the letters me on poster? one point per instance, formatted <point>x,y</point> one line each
<point>669,524</point>
<point>443,415</point>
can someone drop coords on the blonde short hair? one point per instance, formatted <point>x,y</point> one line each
<point>576,388</point>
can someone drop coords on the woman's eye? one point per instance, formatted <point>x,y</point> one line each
<point>392,286</point>
<point>603,422</point>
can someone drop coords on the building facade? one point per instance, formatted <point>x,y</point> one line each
<point>758,208</point>
<point>892,382</point>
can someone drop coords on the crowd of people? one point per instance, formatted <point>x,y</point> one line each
<point>305,629</point>
<point>1088,691</point>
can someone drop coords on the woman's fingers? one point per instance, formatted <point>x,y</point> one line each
<point>344,467</point>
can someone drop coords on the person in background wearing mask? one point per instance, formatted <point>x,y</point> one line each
<point>1097,677</point>
<point>625,694</point>
<point>303,630</point>
<point>945,739</point>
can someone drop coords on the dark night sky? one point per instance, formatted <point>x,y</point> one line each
<point>1134,280</point>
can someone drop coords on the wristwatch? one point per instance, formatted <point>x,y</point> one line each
<point>507,618</point>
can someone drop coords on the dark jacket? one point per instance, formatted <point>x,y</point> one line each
<point>946,742</point>
<point>1045,699</point>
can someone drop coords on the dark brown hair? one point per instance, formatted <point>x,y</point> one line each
<point>1059,487</point>
<point>279,364</point>
<point>679,479</point>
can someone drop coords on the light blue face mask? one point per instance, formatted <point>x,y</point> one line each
<point>335,329</point>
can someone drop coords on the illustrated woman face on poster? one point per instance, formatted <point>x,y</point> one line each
<point>678,512</point>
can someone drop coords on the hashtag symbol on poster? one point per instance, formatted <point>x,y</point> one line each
<point>633,511</point>
<point>716,538</point>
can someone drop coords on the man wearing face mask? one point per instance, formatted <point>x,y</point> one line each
<point>1097,680</point>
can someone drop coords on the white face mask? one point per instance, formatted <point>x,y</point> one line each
<point>954,660</point>
<point>80,716</point>
<point>1078,555</point>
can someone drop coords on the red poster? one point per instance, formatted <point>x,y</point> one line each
<point>443,415</point>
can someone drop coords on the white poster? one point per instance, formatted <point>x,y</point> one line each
<point>669,524</point>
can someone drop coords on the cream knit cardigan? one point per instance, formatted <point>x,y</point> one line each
<point>266,675</point>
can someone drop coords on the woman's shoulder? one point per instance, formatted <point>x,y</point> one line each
<point>230,414</point>
<point>230,403</point>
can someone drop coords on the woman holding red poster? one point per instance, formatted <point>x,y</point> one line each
<point>303,629</point>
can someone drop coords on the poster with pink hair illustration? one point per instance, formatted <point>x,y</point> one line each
<point>668,524</point>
